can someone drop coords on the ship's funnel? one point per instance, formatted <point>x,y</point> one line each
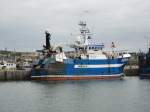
<point>48,35</point>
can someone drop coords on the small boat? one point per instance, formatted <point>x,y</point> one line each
<point>7,65</point>
<point>87,61</point>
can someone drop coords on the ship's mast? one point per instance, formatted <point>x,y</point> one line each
<point>84,32</point>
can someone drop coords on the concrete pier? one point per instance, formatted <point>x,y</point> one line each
<point>14,75</point>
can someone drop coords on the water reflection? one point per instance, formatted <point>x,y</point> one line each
<point>128,95</point>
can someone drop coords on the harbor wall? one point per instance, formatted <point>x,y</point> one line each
<point>14,75</point>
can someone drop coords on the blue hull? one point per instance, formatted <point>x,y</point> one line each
<point>144,72</point>
<point>83,68</point>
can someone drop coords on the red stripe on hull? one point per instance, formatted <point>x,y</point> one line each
<point>75,78</point>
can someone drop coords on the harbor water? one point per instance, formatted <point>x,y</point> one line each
<point>130,94</point>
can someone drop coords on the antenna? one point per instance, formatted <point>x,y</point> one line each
<point>147,42</point>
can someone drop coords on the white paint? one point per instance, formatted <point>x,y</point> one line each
<point>126,55</point>
<point>98,66</point>
<point>96,55</point>
<point>60,57</point>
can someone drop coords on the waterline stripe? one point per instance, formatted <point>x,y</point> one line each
<point>98,66</point>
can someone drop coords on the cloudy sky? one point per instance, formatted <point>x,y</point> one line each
<point>23,22</point>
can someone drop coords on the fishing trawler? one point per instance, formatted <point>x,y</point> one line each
<point>87,61</point>
<point>144,65</point>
